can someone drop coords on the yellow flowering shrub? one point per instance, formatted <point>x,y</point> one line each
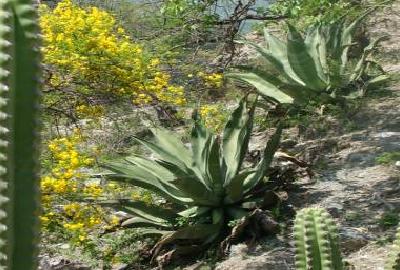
<point>65,187</point>
<point>64,184</point>
<point>87,49</point>
<point>92,111</point>
<point>212,80</point>
<point>214,116</point>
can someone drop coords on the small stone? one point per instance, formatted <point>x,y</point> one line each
<point>289,143</point>
<point>335,209</point>
<point>397,164</point>
<point>65,246</point>
<point>352,239</point>
<point>277,259</point>
<point>119,266</point>
<point>47,263</point>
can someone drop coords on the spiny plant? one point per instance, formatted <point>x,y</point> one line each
<point>314,67</point>
<point>204,185</point>
<point>317,241</point>
<point>19,83</point>
<point>393,263</point>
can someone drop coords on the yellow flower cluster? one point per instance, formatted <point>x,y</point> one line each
<point>64,183</point>
<point>212,80</point>
<point>213,116</point>
<point>65,187</point>
<point>67,161</point>
<point>92,111</point>
<point>81,218</point>
<point>86,45</point>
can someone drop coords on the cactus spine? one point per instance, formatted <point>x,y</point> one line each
<point>19,83</point>
<point>393,262</point>
<point>316,240</point>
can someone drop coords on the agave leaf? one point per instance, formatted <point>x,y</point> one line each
<point>301,61</point>
<point>187,182</point>
<point>264,86</point>
<point>263,166</point>
<point>200,232</point>
<point>200,139</point>
<point>162,216</point>
<point>214,169</point>
<point>204,233</point>
<point>194,211</point>
<point>235,138</point>
<point>362,63</point>
<point>140,177</point>
<point>315,45</point>
<point>276,54</point>
<point>139,222</point>
<point>376,81</point>
<point>347,36</point>
<point>333,35</point>
<point>168,148</point>
<point>278,51</point>
<point>170,143</point>
<point>164,176</point>
<point>153,231</point>
<point>297,93</point>
<point>152,168</point>
<point>349,30</point>
<point>235,188</point>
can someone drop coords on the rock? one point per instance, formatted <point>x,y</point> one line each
<point>198,266</point>
<point>352,239</point>
<point>397,164</point>
<point>359,136</point>
<point>335,209</point>
<point>362,156</point>
<point>288,143</point>
<point>119,266</point>
<point>241,259</point>
<point>47,263</point>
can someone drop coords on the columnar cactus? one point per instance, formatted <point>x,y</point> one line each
<point>316,239</point>
<point>393,262</point>
<point>19,83</point>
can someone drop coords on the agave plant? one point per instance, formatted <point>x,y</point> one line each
<point>313,67</point>
<point>204,183</point>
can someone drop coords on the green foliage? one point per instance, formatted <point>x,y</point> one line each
<point>317,243</point>
<point>204,187</point>
<point>393,262</point>
<point>389,219</point>
<point>388,157</point>
<point>19,97</point>
<point>316,67</point>
<point>308,12</point>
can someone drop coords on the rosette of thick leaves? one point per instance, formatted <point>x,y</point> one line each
<point>205,182</point>
<point>314,66</point>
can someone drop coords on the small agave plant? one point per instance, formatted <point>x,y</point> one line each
<point>204,183</point>
<point>315,66</point>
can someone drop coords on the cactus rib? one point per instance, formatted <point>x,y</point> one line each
<point>316,240</point>
<point>19,116</point>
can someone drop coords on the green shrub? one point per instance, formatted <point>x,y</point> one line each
<point>388,157</point>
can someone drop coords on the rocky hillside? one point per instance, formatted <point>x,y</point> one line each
<point>357,180</point>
